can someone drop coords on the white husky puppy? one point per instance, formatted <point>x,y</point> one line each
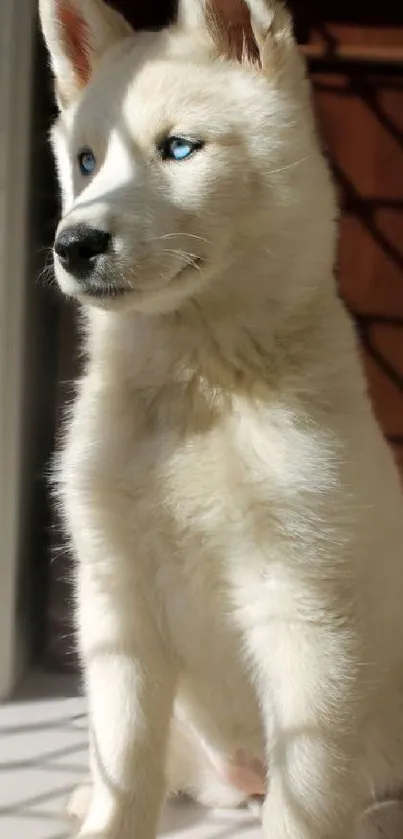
<point>235,512</point>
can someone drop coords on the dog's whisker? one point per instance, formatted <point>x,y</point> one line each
<point>46,276</point>
<point>289,166</point>
<point>177,236</point>
<point>186,255</point>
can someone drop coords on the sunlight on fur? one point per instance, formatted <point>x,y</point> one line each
<point>234,511</point>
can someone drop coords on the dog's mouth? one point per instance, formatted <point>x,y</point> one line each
<point>103,291</point>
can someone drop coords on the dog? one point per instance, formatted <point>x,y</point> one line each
<point>235,513</point>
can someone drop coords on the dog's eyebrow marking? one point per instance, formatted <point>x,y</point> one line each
<point>75,37</point>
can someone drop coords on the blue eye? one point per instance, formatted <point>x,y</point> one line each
<point>179,148</point>
<point>86,162</point>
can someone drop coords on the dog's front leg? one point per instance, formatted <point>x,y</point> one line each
<point>309,697</point>
<point>130,683</point>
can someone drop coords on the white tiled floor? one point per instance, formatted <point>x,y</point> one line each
<point>43,752</point>
<point>43,755</point>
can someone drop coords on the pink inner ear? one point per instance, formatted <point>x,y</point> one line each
<point>232,20</point>
<point>75,35</point>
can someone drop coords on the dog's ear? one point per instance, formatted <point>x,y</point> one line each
<point>243,29</point>
<point>77,34</point>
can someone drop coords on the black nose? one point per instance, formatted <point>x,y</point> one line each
<point>78,248</point>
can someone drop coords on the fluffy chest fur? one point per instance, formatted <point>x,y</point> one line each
<point>209,471</point>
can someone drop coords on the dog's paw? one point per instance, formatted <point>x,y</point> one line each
<point>79,802</point>
<point>255,806</point>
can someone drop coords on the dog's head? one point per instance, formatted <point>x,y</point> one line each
<point>172,147</point>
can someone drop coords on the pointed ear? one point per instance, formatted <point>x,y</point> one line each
<point>77,34</point>
<point>245,29</point>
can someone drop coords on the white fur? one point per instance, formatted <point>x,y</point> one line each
<point>235,513</point>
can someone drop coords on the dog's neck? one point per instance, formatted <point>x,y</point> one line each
<point>234,332</point>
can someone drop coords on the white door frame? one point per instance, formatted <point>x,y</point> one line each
<point>17,29</point>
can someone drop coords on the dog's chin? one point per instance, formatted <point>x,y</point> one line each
<point>152,299</point>
<point>102,295</point>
